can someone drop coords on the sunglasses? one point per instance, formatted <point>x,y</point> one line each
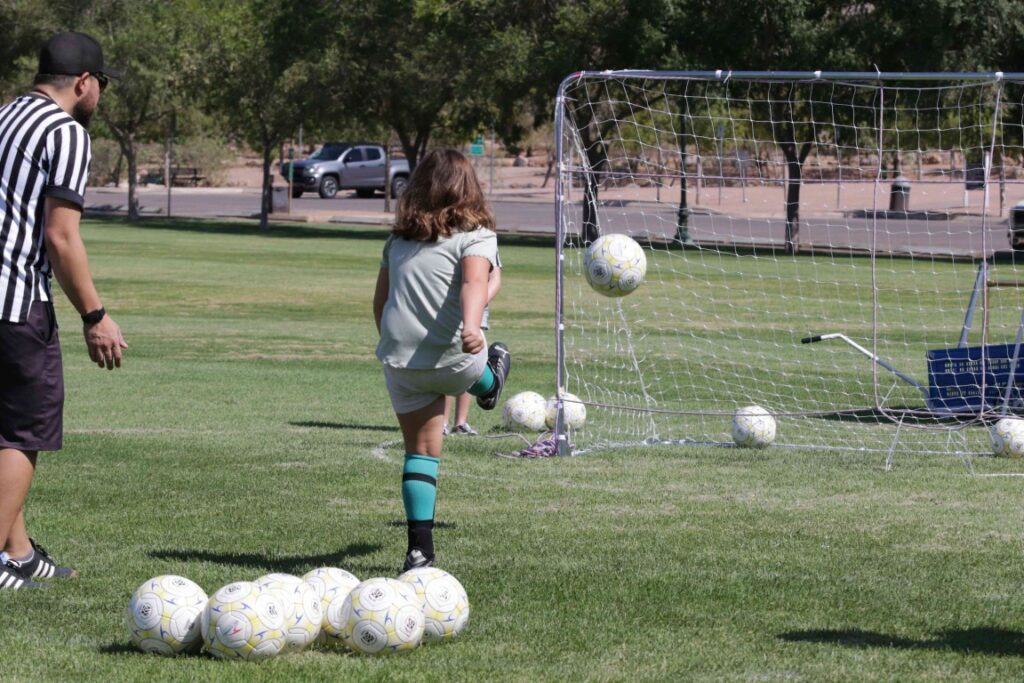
<point>102,80</point>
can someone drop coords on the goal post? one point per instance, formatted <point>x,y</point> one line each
<point>825,245</point>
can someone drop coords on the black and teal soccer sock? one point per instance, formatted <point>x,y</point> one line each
<point>484,385</point>
<point>419,494</point>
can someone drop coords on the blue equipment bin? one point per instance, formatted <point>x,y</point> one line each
<point>955,378</point>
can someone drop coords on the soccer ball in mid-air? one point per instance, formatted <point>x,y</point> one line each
<point>615,264</point>
<point>164,614</point>
<point>753,427</point>
<point>1008,437</point>
<point>332,586</point>
<point>445,603</point>
<point>574,411</point>
<point>524,411</point>
<point>302,612</point>
<point>382,616</point>
<point>243,621</point>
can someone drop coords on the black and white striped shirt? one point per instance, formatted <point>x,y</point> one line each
<point>43,153</point>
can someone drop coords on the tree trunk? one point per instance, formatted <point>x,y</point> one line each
<point>794,164</point>
<point>683,213</point>
<point>117,168</point>
<point>266,197</point>
<point>131,156</point>
<point>597,158</point>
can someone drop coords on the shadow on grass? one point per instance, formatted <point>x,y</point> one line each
<point>894,414</point>
<point>980,640</point>
<point>343,425</point>
<point>120,649</point>
<point>437,524</point>
<point>288,565</point>
<point>251,228</point>
<point>214,226</point>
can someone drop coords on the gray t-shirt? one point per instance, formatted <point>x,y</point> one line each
<point>422,319</point>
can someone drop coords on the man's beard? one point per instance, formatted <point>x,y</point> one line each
<point>82,114</point>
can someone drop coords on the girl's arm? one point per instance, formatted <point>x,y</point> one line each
<point>473,298</point>
<point>380,296</point>
<point>493,284</point>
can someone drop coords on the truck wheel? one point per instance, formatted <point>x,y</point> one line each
<point>364,192</point>
<point>296,192</point>
<point>398,185</point>
<point>328,187</point>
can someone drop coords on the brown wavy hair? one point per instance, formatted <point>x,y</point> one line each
<point>443,196</point>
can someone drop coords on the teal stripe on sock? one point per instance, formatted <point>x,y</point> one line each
<point>420,496</point>
<point>485,384</point>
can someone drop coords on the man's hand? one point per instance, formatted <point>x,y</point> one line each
<point>105,343</point>
<point>473,340</point>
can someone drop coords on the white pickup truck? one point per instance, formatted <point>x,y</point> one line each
<point>346,166</point>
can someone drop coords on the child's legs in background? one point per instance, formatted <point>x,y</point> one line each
<point>462,403</point>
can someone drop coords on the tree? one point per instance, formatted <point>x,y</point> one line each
<point>263,60</point>
<point>151,42</point>
<point>423,67</point>
<point>24,26</point>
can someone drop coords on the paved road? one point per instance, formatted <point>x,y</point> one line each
<point>924,233</point>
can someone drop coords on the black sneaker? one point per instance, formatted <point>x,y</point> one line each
<point>499,360</point>
<point>416,559</point>
<point>12,580</point>
<point>464,430</point>
<point>41,566</point>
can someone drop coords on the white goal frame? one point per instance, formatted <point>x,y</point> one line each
<point>889,95</point>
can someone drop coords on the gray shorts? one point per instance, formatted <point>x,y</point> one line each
<point>31,382</point>
<point>412,390</point>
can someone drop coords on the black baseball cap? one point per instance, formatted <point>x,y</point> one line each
<point>72,53</point>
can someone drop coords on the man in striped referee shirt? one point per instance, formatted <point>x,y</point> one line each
<point>44,165</point>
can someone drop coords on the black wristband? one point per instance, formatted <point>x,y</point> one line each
<point>93,317</point>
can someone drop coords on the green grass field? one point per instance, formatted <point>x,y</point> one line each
<point>249,431</point>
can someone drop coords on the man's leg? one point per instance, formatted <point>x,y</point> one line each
<point>16,470</point>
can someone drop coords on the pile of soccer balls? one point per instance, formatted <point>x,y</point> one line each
<point>280,613</point>
<point>527,411</point>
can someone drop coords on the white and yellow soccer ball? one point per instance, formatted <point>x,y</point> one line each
<point>302,612</point>
<point>575,411</point>
<point>444,600</point>
<point>1008,437</point>
<point>524,411</point>
<point>164,615</point>
<point>243,621</point>
<point>615,264</point>
<point>382,616</point>
<point>332,586</point>
<point>753,427</point>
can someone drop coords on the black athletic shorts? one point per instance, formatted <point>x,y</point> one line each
<point>31,382</point>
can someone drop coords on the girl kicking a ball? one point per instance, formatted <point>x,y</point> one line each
<point>430,297</point>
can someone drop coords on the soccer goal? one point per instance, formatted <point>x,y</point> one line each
<point>831,247</point>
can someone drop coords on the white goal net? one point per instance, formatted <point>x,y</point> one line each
<point>831,247</point>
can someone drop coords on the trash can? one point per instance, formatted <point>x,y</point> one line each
<point>974,175</point>
<point>279,200</point>
<point>899,195</point>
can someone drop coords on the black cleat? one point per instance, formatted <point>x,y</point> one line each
<point>416,559</point>
<point>11,579</point>
<point>41,566</point>
<point>499,360</point>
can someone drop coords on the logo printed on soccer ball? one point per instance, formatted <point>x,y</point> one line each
<point>574,412</point>
<point>443,599</point>
<point>525,411</point>
<point>243,621</point>
<point>1008,437</point>
<point>302,615</point>
<point>332,586</point>
<point>164,615</point>
<point>753,427</point>
<point>615,265</point>
<point>384,617</point>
